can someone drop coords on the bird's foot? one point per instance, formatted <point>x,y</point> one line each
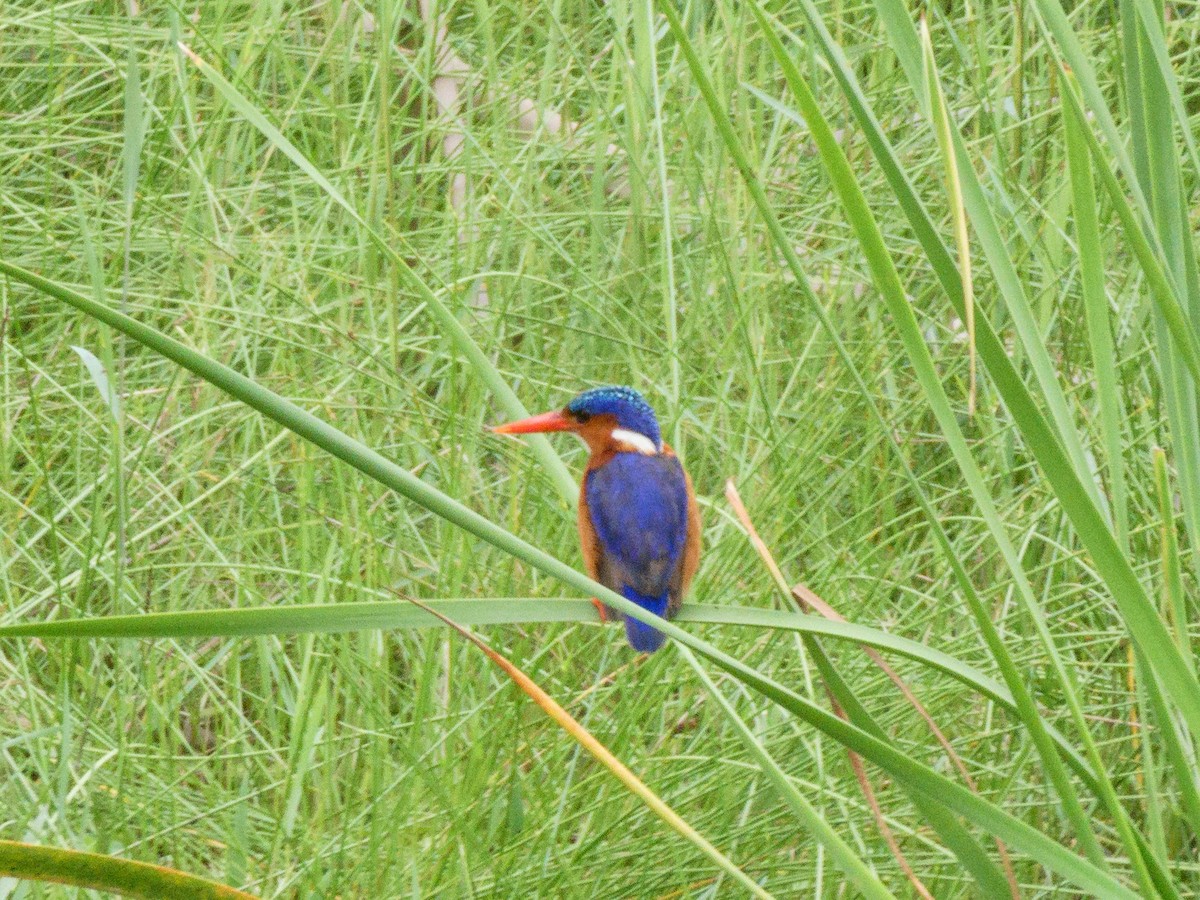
<point>601,608</point>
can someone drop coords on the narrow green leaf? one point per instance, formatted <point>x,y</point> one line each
<point>135,129</point>
<point>95,369</point>
<point>1097,316</point>
<point>332,618</point>
<point>32,862</point>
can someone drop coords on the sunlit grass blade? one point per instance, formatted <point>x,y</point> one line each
<point>939,789</point>
<point>605,757</point>
<point>1097,316</point>
<point>936,102</point>
<point>95,871</point>
<point>334,618</point>
<point>449,322</point>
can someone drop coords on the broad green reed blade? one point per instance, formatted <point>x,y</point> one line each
<point>1097,315</point>
<point>1152,31</point>
<point>1063,669</point>
<point>333,618</point>
<point>645,42</point>
<point>454,329</point>
<point>986,815</point>
<point>95,871</point>
<point>888,281</point>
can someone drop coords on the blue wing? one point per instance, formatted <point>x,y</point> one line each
<point>638,507</point>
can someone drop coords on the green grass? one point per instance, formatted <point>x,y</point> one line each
<point>791,313</point>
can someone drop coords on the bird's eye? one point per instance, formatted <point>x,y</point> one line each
<point>582,417</point>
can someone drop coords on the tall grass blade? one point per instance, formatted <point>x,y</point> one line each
<point>1096,316</point>
<point>335,618</point>
<point>95,871</point>
<point>941,118</point>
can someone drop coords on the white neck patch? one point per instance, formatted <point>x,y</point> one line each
<point>637,442</point>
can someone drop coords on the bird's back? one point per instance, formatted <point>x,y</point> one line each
<point>637,506</point>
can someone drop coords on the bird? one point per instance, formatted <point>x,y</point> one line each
<point>639,525</point>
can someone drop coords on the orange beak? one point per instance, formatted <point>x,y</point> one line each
<point>551,421</point>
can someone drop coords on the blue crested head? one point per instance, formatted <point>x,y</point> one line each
<point>626,405</point>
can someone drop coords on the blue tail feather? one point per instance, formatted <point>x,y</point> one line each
<point>641,636</point>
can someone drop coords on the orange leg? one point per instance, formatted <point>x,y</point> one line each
<point>600,608</point>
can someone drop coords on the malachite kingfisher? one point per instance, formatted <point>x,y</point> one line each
<point>639,526</point>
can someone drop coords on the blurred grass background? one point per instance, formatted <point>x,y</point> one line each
<point>616,243</point>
